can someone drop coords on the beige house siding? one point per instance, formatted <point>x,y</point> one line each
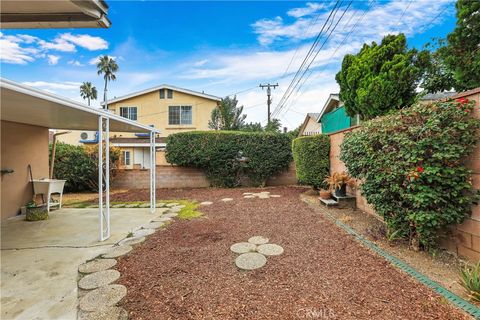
<point>21,145</point>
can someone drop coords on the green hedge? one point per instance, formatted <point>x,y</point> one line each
<point>411,168</point>
<point>218,152</point>
<point>79,166</point>
<point>312,159</point>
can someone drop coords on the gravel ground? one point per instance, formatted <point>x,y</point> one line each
<point>187,271</point>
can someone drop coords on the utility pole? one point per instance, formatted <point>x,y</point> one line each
<point>269,94</point>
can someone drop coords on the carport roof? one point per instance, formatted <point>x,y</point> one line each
<point>24,104</point>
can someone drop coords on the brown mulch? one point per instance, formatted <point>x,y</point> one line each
<point>187,271</point>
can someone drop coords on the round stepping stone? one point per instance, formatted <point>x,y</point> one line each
<point>247,193</point>
<point>206,203</point>
<point>250,261</point>
<point>274,196</point>
<point>264,196</point>
<point>258,240</point>
<point>174,210</point>
<point>103,297</point>
<point>172,204</point>
<point>143,232</point>
<point>227,199</point>
<point>132,205</point>
<point>144,205</point>
<point>249,197</point>
<point>161,210</point>
<point>161,219</point>
<point>270,249</point>
<point>159,205</point>
<point>98,279</point>
<point>243,247</point>
<point>131,241</point>
<point>265,192</point>
<point>111,313</point>
<point>153,225</point>
<point>120,205</point>
<point>117,251</point>
<point>96,265</point>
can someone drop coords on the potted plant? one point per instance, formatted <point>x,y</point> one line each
<point>338,182</point>
<point>36,212</point>
<point>325,194</point>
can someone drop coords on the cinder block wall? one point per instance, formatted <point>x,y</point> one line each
<point>181,177</point>
<point>463,239</point>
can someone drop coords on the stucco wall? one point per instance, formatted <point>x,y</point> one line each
<point>463,239</point>
<point>21,145</point>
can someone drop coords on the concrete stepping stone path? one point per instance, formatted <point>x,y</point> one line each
<point>131,241</point>
<point>227,199</point>
<point>143,232</point>
<point>170,215</point>
<point>206,203</point>
<point>98,279</point>
<point>161,219</point>
<point>250,261</point>
<point>120,205</point>
<point>97,265</point>
<point>153,225</point>
<point>258,240</point>
<point>243,247</point>
<point>103,297</point>
<point>172,204</point>
<point>270,249</point>
<point>118,251</point>
<point>111,313</point>
<point>159,205</point>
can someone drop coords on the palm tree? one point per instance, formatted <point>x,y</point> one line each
<point>106,66</point>
<point>88,91</point>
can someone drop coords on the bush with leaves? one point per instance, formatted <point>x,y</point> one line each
<point>312,160</point>
<point>79,166</point>
<point>410,165</point>
<point>219,152</point>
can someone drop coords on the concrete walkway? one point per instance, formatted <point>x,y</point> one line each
<point>39,260</point>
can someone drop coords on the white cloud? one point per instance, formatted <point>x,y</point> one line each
<point>85,41</point>
<point>57,45</point>
<point>67,85</point>
<point>52,59</point>
<point>12,52</point>
<point>311,7</point>
<point>380,20</point>
<point>75,63</point>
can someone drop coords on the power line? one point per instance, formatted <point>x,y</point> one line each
<point>269,96</point>
<point>280,107</point>
<point>309,53</point>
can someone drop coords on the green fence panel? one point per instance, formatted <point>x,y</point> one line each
<point>336,120</point>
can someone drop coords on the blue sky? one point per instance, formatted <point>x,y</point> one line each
<point>217,47</point>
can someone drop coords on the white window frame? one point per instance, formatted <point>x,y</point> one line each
<point>129,114</point>
<point>125,152</point>
<point>180,122</point>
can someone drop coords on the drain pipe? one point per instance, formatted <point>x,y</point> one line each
<point>54,144</point>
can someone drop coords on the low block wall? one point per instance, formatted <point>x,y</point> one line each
<point>182,177</point>
<point>462,239</point>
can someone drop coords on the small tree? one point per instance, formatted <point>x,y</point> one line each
<point>88,91</point>
<point>227,116</point>
<point>380,77</point>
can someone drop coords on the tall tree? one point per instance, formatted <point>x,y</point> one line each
<point>107,66</point>
<point>273,126</point>
<point>88,91</point>
<point>462,52</point>
<point>380,77</point>
<point>227,116</point>
<point>437,75</point>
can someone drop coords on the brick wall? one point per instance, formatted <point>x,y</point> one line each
<point>182,177</point>
<point>463,239</point>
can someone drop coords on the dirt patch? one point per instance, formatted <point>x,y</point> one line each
<point>187,271</point>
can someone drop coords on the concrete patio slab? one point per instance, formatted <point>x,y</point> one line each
<point>36,254</point>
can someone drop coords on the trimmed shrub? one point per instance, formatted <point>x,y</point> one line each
<point>410,165</point>
<point>312,159</point>
<point>79,166</point>
<point>219,152</point>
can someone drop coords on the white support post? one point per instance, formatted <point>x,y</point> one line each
<point>152,172</point>
<point>104,213</point>
<point>154,167</point>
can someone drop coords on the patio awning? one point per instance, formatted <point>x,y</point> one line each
<point>37,14</point>
<point>24,104</point>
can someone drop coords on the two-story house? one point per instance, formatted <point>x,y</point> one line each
<point>168,108</point>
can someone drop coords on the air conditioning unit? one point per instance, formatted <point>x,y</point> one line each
<point>88,136</point>
<point>84,135</point>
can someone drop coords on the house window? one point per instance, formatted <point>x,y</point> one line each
<point>126,158</point>
<point>162,93</point>
<point>180,115</point>
<point>170,94</point>
<point>129,112</point>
